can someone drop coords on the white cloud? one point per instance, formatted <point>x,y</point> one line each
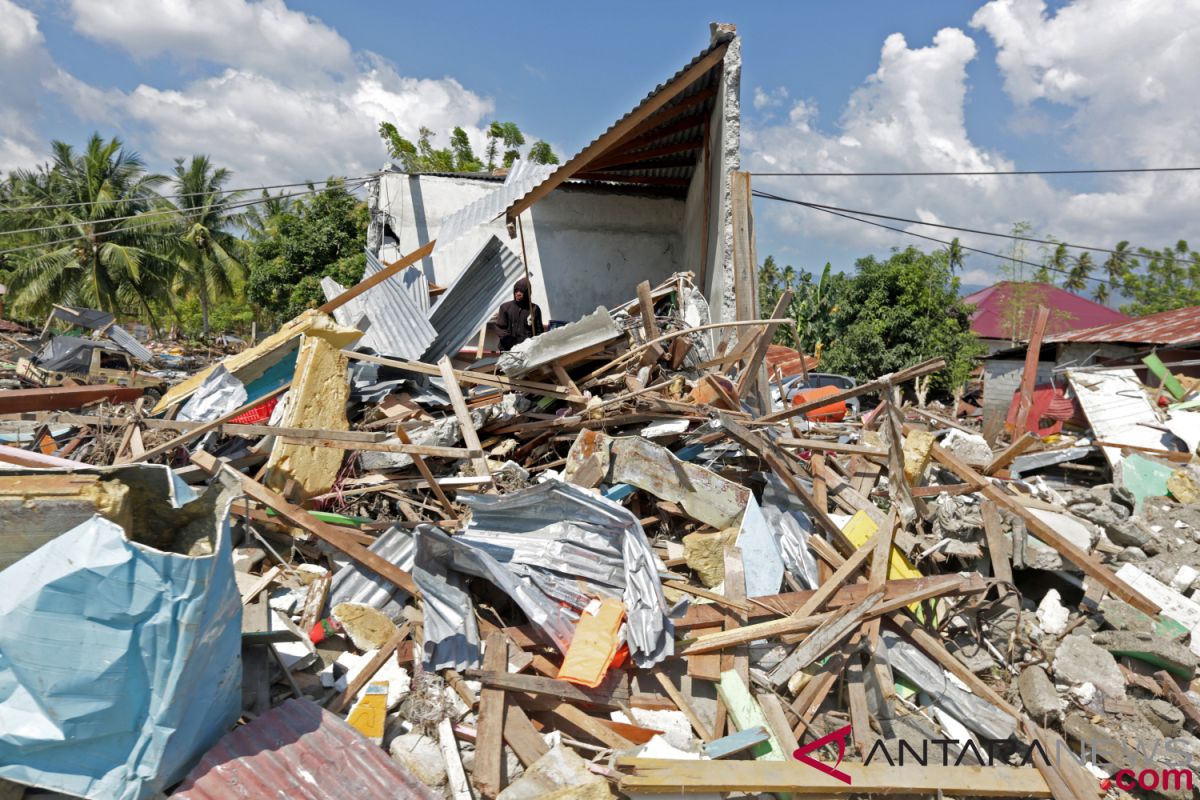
<point>1122,71</point>
<point>24,64</point>
<point>266,36</point>
<point>291,101</point>
<point>769,98</point>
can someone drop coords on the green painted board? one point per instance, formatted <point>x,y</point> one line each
<point>1165,375</point>
<point>745,712</point>
<point>1144,477</point>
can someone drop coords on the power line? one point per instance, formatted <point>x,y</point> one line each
<point>186,194</point>
<point>1016,237</point>
<point>972,172</point>
<point>128,228</point>
<point>1000,256</point>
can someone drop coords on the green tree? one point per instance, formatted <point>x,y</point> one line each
<point>508,136</point>
<point>1077,276</point>
<point>464,156</point>
<point>540,153</point>
<point>210,257</point>
<point>260,220</point>
<point>1101,294</point>
<point>325,235</point>
<point>955,255</point>
<point>1171,279</point>
<point>768,284</point>
<point>897,312</point>
<point>108,240</point>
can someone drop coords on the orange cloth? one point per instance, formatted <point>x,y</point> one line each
<point>597,639</point>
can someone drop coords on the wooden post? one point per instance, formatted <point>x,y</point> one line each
<point>1029,377</point>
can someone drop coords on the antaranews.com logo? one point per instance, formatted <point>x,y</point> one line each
<point>1176,774</point>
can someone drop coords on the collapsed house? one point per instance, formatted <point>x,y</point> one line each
<point>361,558</point>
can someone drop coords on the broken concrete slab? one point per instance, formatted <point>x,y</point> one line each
<point>1077,660</point>
<point>558,775</point>
<point>593,330</point>
<point>1151,648</point>
<point>1162,715</point>
<point>969,447</point>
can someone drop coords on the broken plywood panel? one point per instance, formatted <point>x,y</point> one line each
<point>1116,407</point>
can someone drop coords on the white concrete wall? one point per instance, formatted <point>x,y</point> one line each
<point>584,248</point>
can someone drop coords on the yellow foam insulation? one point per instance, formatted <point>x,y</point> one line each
<point>317,400</point>
<point>311,320</point>
<point>917,447</point>
<point>110,498</point>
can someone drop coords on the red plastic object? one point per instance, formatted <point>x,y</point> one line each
<point>260,413</point>
<point>1049,403</point>
<point>834,412</point>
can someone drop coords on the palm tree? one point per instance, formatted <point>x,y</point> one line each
<point>955,255</point>
<point>1119,262</point>
<point>261,220</point>
<point>1058,262</point>
<point>1101,294</point>
<point>209,257</point>
<point>1077,277</point>
<point>105,236</point>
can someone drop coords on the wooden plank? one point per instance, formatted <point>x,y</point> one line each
<point>706,666</point>
<point>423,468</point>
<point>715,597</point>
<point>612,693</point>
<point>826,636</point>
<point>469,434</point>
<point>489,742</point>
<point>646,304</point>
<point>594,728</point>
<point>735,589</point>
<point>262,583</point>
<point>1029,375</point>
<point>456,776</point>
<point>379,277</point>
<point>856,694</point>
<point>468,376</point>
<point>1006,456</point>
<point>364,676</point>
<point>188,436</point>
<point>999,549</point>
<point>613,135</point>
<point>314,602</point>
<point>744,711</point>
<point>683,705</point>
<point>646,775</point>
<point>831,447</point>
<point>431,451</point>
<point>521,736</point>
<point>891,379</point>
<point>772,708</point>
<point>1085,561</point>
<point>764,341</point>
<point>1179,697</point>
<point>331,534</point>
<point>820,485</point>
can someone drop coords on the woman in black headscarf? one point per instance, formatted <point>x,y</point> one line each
<point>519,318</point>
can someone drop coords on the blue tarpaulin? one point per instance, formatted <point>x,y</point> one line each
<point>120,663</point>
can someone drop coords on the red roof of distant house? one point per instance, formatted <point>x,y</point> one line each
<point>1178,327</point>
<point>993,317</point>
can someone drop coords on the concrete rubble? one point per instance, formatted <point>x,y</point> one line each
<point>590,568</point>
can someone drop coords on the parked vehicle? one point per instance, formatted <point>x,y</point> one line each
<point>797,390</point>
<point>88,361</point>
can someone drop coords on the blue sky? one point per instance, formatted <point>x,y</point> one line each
<point>289,91</point>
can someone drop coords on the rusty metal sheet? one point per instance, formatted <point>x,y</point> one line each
<point>61,398</point>
<point>300,751</point>
<point>1178,327</point>
<point>701,493</point>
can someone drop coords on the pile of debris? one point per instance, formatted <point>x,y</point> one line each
<point>615,559</point>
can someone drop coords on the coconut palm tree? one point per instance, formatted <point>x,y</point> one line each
<point>1077,277</point>
<point>103,237</point>
<point>209,256</point>
<point>261,219</point>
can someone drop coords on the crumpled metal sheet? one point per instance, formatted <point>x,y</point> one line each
<point>556,537</point>
<point>218,395</point>
<point>300,751</point>
<point>354,583</point>
<point>394,326</point>
<point>120,662</point>
<point>473,297</point>
<point>451,632</point>
<point>761,558</point>
<point>792,527</point>
<point>979,715</point>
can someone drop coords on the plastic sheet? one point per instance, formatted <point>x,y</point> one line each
<point>120,662</point>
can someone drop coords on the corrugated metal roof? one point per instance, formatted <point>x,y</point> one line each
<point>1178,327</point>
<point>994,316</point>
<point>130,344</point>
<point>673,130</point>
<point>398,327</point>
<point>299,750</point>
<point>412,280</point>
<point>521,178</point>
<point>473,297</point>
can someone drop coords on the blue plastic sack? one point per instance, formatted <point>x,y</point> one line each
<point>120,660</point>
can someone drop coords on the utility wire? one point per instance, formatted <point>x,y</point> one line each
<point>128,228</point>
<point>971,172</point>
<point>168,211</point>
<point>1000,256</point>
<point>822,207</point>
<point>187,194</point>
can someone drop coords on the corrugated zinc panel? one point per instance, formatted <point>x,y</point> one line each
<point>129,344</point>
<point>522,177</point>
<point>398,327</point>
<point>1180,326</point>
<point>473,297</point>
<point>411,281</point>
<point>300,751</point>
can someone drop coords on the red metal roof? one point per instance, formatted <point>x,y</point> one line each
<point>788,360</point>
<point>300,751</point>
<point>1178,327</point>
<point>995,316</point>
